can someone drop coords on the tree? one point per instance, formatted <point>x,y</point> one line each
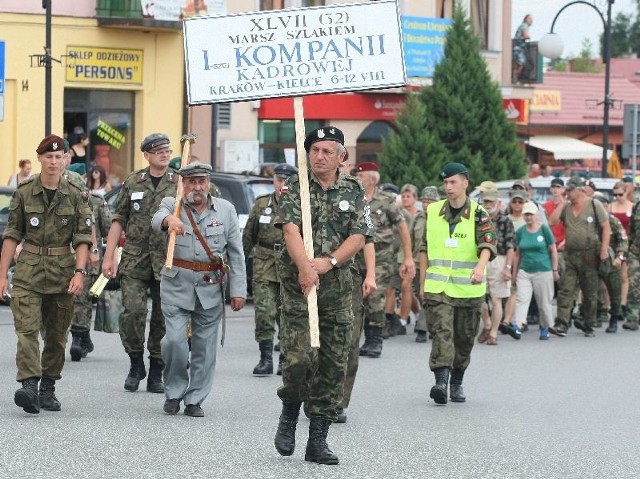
<point>464,112</point>
<point>584,63</point>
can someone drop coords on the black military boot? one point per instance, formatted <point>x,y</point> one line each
<point>137,372</point>
<point>366,346</point>
<point>285,440</point>
<point>317,449</point>
<point>439,391</point>
<point>280,363</point>
<point>375,350</point>
<point>265,366</point>
<point>397,328</point>
<point>47,395</point>
<point>154,381</point>
<point>389,325</point>
<point>456,392</point>
<point>613,324</point>
<point>86,343</point>
<point>76,345</point>
<point>27,396</point>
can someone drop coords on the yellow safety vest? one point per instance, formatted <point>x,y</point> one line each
<point>452,258</point>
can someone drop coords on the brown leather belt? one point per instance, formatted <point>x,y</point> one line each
<point>41,250</point>
<point>193,266</point>
<point>271,246</point>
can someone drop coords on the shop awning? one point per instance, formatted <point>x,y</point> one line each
<point>567,148</point>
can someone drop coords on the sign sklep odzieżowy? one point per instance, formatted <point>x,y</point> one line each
<point>293,52</point>
<point>111,65</point>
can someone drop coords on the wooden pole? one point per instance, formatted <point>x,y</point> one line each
<point>305,206</point>
<point>186,141</point>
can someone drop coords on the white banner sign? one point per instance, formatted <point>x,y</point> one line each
<point>293,52</point>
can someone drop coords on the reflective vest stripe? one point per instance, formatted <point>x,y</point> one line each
<point>452,264</point>
<point>453,279</point>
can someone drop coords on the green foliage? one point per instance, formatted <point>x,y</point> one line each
<point>625,35</point>
<point>584,63</point>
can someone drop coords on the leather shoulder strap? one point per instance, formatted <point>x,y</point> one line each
<point>198,233</point>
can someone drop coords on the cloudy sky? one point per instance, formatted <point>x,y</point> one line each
<point>574,24</point>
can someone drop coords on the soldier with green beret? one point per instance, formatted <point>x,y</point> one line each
<point>143,257</point>
<point>460,241</point>
<point>50,215</point>
<point>261,237</point>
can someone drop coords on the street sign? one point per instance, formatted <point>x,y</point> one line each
<point>630,126</point>
<point>2,50</point>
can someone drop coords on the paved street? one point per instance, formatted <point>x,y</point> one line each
<point>565,408</point>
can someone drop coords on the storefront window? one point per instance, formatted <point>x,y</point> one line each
<point>279,136</point>
<point>106,118</point>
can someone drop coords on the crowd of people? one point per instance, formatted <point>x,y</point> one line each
<point>383,258</point>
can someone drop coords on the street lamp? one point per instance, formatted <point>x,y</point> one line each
<point>551,46</point>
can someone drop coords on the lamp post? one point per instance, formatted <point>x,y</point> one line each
<point>551,46</point>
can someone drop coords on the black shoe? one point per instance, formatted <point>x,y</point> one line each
<point>613,324</point>
<point>172,406</point>
<point>375,344</point>
<point>439,391</point>
<point>47,397</point>
<point>558,330</point>
<point>193,410</point>
<point>421,337</point>
<point>137,372</point>
<point>285,440</point>
<point>589,332</point>
<point>514,331</point>
<point>154,381</point>
<point>317,448</point>
<point>524,328</point>
<point>27,396</point>
<point>276,346</point>
<point>456,393</point>
<point>86,343</point>
<point>265,365</point>
<point>342,415</point>
<point>504,328</point>
<point>76,350</point>
<point>578,323</point>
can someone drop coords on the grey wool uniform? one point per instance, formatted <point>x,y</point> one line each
<point>187,294</point>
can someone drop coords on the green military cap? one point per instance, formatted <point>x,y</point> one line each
<point>66,146</point>
<point>490,195</point>
<point>451,169</point>
<point>430,193</point>
<point>78,168</point>
<point>175,163</point>
<point>195,169</point>
<point>574,182</point>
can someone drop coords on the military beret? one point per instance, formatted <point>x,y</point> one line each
<point>195,169</point>
<point>50,143</point>
<point>284,170</point>
<point>451,169</point>
<point>557,182</point>
<point>325,133</point>
<point>430,193</point>
<point>79,168</point>
<point>153,141</point>
<point>367,166</point>
<point>575,182</point>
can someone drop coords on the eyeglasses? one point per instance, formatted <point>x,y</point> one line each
<point>161,152</point>
<point>517,202</point>
<point>618,194</point>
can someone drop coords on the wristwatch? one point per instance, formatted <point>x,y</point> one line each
<point>333,261</point>
<point>80,270</point>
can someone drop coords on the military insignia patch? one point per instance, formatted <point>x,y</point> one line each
<point>65,221</point>
<point>34,221</point>
<point>88,222</point>
<point>136,206</point>
<point>320,133</point>
<point>343,205</point>
<point>267,211</point>
<point>488,238</point>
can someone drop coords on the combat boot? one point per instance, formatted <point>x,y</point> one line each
<point>390,325</point>
<point>613,324</point>
<point>397,328</point>
<point>366,347</point>
<point>285,440</point>
<point>86,343</point>
<point>47,395</point>
<point>76,345</point>
<point>137,372</point>
<point>439,391</point>
<point>265,366</point>
<point>154,381</point>
<point>317,449</point>
<point>281,360</point>
<point>375,350</point>
<point>455,386</point>
<point>27,396</point>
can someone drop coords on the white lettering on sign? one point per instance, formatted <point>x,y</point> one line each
<point>293,52</point>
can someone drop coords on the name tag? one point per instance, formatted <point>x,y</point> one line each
<point>264,219</point>
<point>137,195</point>
<point>451,243</point>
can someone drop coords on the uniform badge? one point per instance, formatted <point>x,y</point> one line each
<point>65,221</point>
<point>88,222</point>
<point>34,221</point>
<point>589,219</point>
<point>343,205</point>
<point>321,133</point>
<point>540,239</point>
<point>136,206</point>
<point>170,176</point>
<point>267,211</point>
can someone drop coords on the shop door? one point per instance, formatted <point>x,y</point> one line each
<point>106,118</point>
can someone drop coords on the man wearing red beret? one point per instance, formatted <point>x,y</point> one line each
<point>50,215</point>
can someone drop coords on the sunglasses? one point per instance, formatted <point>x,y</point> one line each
<point>618,194</point>
<point>520,202</point>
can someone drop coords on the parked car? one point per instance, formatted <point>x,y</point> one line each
<point>6,193</point>
<point>239,189</point>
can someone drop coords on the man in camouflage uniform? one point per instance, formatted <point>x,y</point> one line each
<point>385,215</point>
<point>81,343</point>
<point>265,240</point>
<point>50,215</point>
<point>633,298</point>
<point>143,257</point>
<point>460,241</point>
<point>586,247</point>
<point>339,222</point>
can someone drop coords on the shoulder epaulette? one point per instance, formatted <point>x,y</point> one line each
<point>26,182</point>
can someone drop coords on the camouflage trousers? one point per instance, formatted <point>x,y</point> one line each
<point>374,303</point>
<point>453,323</point>
<point>268,305</point>
<point>613,284</point>
<point>633,298</point>
<point>356,332</point>
<point>32,312</point>
<point>134,319</point>
<point>316,375</point>
<point>581,270</point>
<point>83,307</point>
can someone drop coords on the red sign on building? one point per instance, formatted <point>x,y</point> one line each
<point>516,109</point>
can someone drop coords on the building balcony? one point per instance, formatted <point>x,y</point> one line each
<point>531,73</point>
<point>129,14</point>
